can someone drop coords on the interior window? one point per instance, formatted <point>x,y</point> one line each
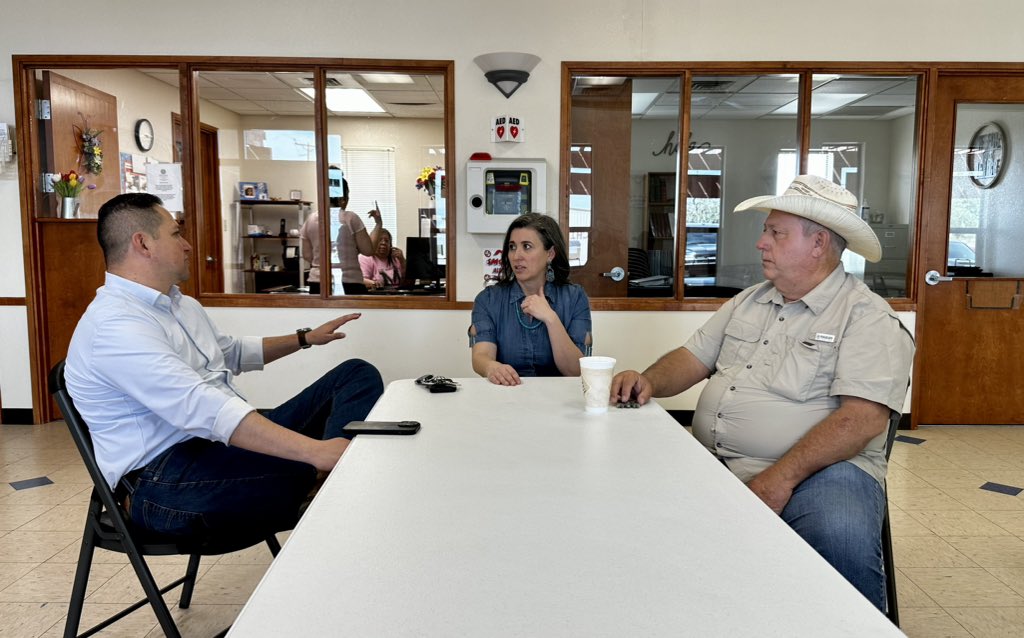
<point>863,138</point>
<point>259,164</point>
<point>863,132</point>
<point>623,212</point>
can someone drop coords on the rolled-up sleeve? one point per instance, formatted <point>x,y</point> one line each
<point>483,317</point>
<point>579,324</point>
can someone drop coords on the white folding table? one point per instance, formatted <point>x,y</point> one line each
<point>514,513</point>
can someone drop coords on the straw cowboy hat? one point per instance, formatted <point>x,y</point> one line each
<point>827,203</point>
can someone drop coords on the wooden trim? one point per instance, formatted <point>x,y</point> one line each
<point>12,301</point>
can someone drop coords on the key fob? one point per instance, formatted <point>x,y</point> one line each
<point>443,387</point>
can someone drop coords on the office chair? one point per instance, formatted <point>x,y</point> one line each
<point>107,526</point>
<point>891,604</point>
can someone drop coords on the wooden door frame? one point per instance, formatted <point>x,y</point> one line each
<point>208,239</point>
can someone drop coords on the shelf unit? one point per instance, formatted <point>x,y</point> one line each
<point>259,254</point>
<point>659,212</point>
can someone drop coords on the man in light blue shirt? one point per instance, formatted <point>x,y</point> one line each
<point>152,377</point>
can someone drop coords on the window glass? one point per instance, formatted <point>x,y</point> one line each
<point>752,121</point>
<point>863,138</point>
<point>259,185</point>
<point>392,155</point>
<point>623,212</point>
<point>107,126</point>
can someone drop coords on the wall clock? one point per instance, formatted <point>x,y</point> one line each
<point>144,134</point>
<point>986,154</point>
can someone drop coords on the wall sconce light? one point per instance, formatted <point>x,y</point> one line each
<point>507,71</point>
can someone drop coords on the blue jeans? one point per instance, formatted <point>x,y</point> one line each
<point>203,487</point>
<point>839,511</point>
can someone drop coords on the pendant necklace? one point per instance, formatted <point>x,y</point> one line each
<point>528,326</point>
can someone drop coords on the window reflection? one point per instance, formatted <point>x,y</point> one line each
<point>863,138</point>
<point>751,119</point>
<point>390,129</point>
<point>622,193</point>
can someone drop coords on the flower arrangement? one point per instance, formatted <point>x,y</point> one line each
<point>92,151</point>
<point>70,184</point>
<point>426,180</point>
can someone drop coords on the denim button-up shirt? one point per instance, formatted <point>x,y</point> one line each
<point>528,350</point>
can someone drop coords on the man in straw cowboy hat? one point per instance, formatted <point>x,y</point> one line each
<point>803,371</point>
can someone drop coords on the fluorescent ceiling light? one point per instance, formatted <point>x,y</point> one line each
<point>347,101</point>
<point>597,80</point>
<point>387,78</point>
<point>641,102</point>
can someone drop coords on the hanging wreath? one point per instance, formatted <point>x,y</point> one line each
<point>92,151</point>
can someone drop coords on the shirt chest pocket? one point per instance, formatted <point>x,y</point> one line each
<point>739,345</point>
<point>804,369</point>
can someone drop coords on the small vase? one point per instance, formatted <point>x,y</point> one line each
<point>69,207</point>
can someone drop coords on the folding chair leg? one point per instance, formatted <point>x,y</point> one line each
<point>85,556</point>
<point>892,608</point>
<point>190,581</point>
<point>149,586</point>
<point>274,546</point>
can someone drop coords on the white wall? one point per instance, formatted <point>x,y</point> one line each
<point>608,30</point>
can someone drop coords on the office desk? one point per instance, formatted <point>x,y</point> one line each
<point>513,513</point>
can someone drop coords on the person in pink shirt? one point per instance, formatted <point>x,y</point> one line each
<point>386,266</point>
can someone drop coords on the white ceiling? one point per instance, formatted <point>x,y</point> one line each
<point>749,97</point>
<point>277,93</point>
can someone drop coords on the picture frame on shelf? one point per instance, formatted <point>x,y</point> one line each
<point>295,195</point>
<point>252,191</point>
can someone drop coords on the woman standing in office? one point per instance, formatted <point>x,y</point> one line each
<point>533,322</point>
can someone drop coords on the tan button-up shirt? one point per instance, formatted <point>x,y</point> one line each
<point>780,368</point>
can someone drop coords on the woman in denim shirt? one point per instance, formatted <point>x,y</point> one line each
<point>533,322</point>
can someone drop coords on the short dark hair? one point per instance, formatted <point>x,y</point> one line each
<point>123,216</point>
<point>550,235</point>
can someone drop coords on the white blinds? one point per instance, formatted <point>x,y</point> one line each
<point>370,173</point>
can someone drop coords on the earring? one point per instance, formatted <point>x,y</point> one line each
<point>550,275</point>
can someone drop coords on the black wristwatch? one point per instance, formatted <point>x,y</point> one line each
<point>302,338</point>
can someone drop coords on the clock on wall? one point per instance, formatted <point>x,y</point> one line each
<point>144,134</point>
<point>985,156</point>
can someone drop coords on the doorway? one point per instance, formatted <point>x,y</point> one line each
<point>970,324</point>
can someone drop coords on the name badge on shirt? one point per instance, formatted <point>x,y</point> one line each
<point>827,338</point>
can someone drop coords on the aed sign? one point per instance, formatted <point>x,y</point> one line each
<point>507,128</point>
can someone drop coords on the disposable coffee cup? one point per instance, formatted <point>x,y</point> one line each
<point>596,374</point>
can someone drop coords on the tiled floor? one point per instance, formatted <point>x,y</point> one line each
<point>959,548</point>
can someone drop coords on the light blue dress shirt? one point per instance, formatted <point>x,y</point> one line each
<point>148,370</point>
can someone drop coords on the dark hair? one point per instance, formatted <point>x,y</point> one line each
<point>336,201</point>
<point>123,216</point>
<point>550,236</point>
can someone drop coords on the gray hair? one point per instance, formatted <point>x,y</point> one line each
<point>837,242</point>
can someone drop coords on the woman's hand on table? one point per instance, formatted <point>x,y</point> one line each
<point>502,374</point>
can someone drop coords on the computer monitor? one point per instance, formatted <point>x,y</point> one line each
<point>420,261</point>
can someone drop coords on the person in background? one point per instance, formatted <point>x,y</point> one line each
<point>152,377</point>
<point>352,241</point>
<point>533,322</point>
<point>804,370</point>
<point>386,266</point>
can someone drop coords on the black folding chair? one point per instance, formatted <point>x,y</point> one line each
<point>891,604</point>
<point>107,526</point>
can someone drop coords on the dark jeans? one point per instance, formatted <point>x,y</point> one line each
<point>204,487</point>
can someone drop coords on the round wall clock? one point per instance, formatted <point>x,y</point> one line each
<point>144,134</point>
<point>986,154</point>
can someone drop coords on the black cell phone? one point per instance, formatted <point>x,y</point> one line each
<point>382,427</point>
